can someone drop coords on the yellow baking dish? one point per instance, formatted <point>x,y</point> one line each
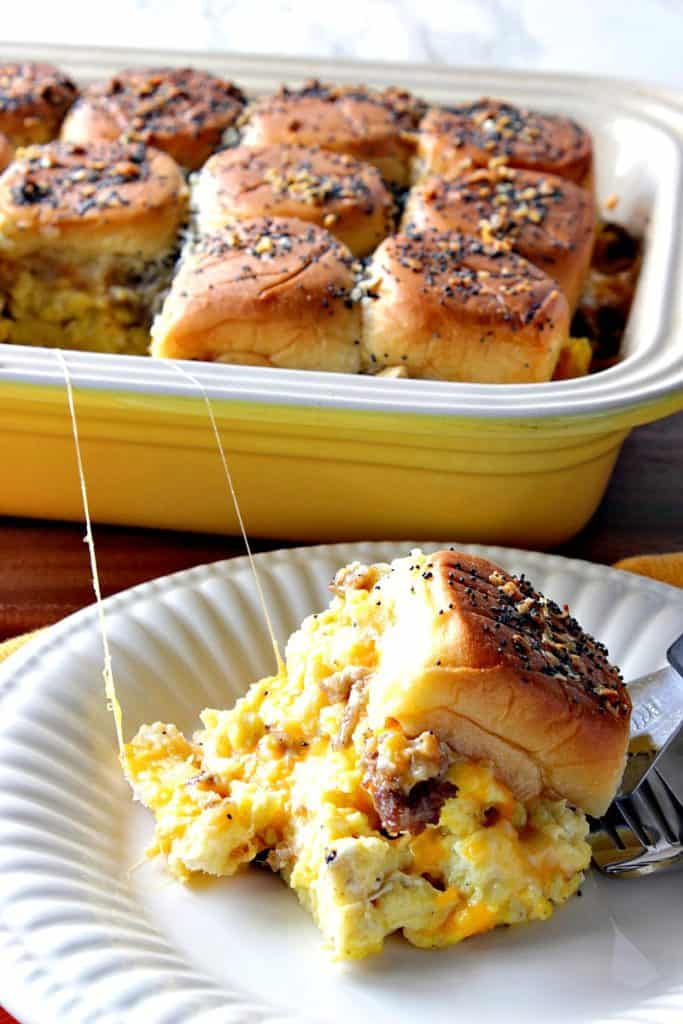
<point>324,456</point>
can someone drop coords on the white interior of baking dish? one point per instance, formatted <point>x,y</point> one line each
<point>638,136</point>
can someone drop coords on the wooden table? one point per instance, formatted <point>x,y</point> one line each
<point>45,573</point>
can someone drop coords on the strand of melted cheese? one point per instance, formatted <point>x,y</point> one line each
<point>236,505</point>
<point>107,673</point>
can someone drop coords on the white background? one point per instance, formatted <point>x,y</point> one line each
<point>628,38</point>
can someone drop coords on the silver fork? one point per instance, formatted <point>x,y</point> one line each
<point>642,831</point>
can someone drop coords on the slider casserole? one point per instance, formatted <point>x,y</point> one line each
<point>342,158</point>
<point>421,763</point>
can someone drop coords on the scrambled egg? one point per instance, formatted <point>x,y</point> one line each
<point>282,777</point>
<point>575,359</point>
<point>51,310</point>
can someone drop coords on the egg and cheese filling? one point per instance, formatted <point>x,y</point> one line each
<point>375,831</point>
<point>99,306</point>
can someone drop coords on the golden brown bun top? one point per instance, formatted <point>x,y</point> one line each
<point>38,90</point>
<point>323,114</point>
<point>517,626</point>
<point>492,128</point>
<point>256,263</point>
<point>62,185</point>
<point>154,104</point>
<point>263,243</point>
<point>299,174</point>
<point>447,269</point>
<point>508,206</point>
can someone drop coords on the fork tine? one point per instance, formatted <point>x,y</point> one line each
<point>633,817</point>
<point>669,804</point>
<point>609,827</point>
<point>613,841</point>
<point>620,830</point>
<point>648,803</point>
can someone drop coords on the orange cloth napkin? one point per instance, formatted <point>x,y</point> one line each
<point>10,646</point>
<point>667,568</point>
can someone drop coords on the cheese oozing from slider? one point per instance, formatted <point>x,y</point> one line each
<point>546,219</point>
<point>446,306</point>
<point>451,139</point>
<point>182,111</point>
<point>88,240</point>
<point>421,763</point>
<point>264,292</point>
<point>375,126</point>
<point>34,98</point>
<point>329,189</point>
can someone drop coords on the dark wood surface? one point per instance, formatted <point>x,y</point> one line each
<point>45,572</point>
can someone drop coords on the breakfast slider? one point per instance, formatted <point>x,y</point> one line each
<point>422,763</point>
<point>265,292</point>
<point>182,111</point>
<point>548,220</point>
<point>447,307</point>
<point>34,99</point>
<point>329,189</point>
<point>454,138</point>
<point>88,240</point>
<point>377,127</point>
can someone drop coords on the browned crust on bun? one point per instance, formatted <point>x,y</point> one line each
<point>182,111</point>
<point>330,189</point>
<point>446,306</point>
<point>545,218</point>
<point>266,292</point>
<point>376,126</point>
<point>492,129</point>
<point>34,97</point>
<point>6,152</point>
<point>498,672</point>
<point>120,196</point>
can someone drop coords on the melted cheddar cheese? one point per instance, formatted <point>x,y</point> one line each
<point>281,776</point>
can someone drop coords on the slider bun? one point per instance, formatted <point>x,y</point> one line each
<point>178,110</point>
<point>330,189</point>
<point>266,292</point>
<point>104,198</point>
<point>547,219</point>
<point>6,152</point>
<point>475,133</point>
<point>447,307</point>
<point>501,674</point>
<point>377,127</point>
<point>33,101</point>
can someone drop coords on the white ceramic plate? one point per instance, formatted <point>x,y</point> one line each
<point>85,939</point>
